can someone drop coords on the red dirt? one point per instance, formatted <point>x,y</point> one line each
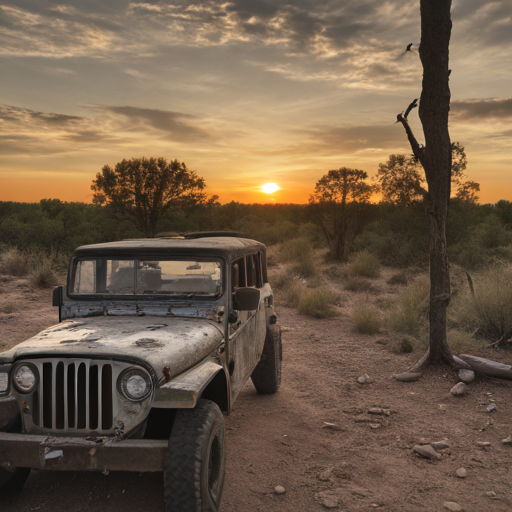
<point>365,462</point>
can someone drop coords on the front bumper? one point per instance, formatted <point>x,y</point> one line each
<point>78,454</point>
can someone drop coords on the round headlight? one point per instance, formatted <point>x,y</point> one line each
<point>25,378</point>
<point>135,384</point>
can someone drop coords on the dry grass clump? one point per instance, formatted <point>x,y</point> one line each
<point>400,278</point>
<point>366,317</point>
<point>292,292</point>
<point>358,284</point>
<point>363,264</point>
<point>15,262</point>
<point>300,251</point>
<point>409,312</point>
<point>317,302</point>
<point>42,275</point>
<point>489,312</point>
<point>404,345</point>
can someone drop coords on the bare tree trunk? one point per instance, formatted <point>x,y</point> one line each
<point>435,158</point>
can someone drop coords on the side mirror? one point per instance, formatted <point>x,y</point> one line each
<point>58,298</point>
<point>246,299</point>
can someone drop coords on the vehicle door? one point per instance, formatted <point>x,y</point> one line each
<point>247,328</point>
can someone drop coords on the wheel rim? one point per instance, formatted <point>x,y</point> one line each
<point>214,468</point>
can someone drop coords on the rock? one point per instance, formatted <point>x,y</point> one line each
<point>491,408</point>
<point>483,444</point>
<point>422,440</point>
<point>376,410</point>
<point>440,445</point>
<point>461,472</point>
<point>508,440</point>
<point>452,506</point>
<point>279,489</point>
<point>427,451</point>
<point>408,376</point>
<point>364,379</point>
<point>327,500</point>
<point>491,494</point>
<point>460,389</point>
<point>466,375</point>
<point>326,475</point>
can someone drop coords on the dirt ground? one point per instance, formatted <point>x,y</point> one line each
<point>315,437</point>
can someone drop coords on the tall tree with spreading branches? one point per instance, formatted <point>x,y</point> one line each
<point>145,189</point>
<point>336,204</point>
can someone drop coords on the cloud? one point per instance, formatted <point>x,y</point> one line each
<point>24,131</point>
<point>175,125</point>
<point>350,139</point>
<point>493,108</point>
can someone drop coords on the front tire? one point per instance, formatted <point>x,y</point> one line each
<point>266,377</point>
<point>196,457</point>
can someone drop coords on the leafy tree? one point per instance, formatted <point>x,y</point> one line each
<point>400,179</point>
<point>147,189</point>
<point>336,204</point>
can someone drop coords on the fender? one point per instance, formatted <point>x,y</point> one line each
<point>184,391</point>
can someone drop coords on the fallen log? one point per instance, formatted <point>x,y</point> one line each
<point>487,367</point>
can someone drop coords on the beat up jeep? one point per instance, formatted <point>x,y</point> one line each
<point>155,340</point>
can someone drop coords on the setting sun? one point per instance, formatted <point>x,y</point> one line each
<point>270,188</point>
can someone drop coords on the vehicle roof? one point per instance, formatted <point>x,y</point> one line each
<point>218,245</point>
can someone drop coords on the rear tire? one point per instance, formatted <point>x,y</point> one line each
<point>196,458</point>
<point>266,377</point>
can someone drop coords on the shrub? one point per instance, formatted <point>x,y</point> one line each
<point>366,318</point>
<point>316,302</point>
<point>363,264</point>
<point>404,345</point>
<point>489,312</point>
<point>15,262</point>
<point>409,312</point>
<point>398,278</point>
<point>358,284</point>
<point>306,268</point>
<point>296,249</point>
<point>43,276</point>
<point>293,290</point>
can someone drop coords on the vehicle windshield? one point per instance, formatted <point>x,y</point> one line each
<point>143,277</point>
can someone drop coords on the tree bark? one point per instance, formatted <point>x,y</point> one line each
<point>435,158</point>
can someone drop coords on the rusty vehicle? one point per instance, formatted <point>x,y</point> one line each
<point>155,340</point>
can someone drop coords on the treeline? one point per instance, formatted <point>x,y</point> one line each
<point>396,233</point>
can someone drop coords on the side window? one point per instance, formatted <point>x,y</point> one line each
<point>238,274</point>
<point>253,271</point>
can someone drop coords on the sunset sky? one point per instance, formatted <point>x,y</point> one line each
<point>245,92</point>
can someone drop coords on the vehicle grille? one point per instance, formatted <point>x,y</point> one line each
<point>74,395</point>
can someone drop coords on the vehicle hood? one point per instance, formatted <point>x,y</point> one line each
<point>176,343</point>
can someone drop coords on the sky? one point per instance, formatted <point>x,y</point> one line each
<point>245,92</point>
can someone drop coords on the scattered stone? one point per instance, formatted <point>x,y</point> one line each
<point>382,342</point>
<point>327,499</point>
<point>459,389</point>
<point>466,375</point>
<point>427,451</point>
<point>461,473</point>
<point>364,379</point>
<point>508,440</point>
<point>491,408</point>
<point>375,426</point>
<point>408,376</point>
<point>483,444</point>
<point>452,506</point>
<point>491,494</point>
<point>326,475</point>
<point>440,445</point>
<point>279,489</point>
<point>422,440</point>
<point>376,410</point>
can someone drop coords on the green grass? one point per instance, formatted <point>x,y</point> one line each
<point>366,317</point>
<point>363,264</point>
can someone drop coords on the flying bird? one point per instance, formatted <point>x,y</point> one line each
<point>414,104</point>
